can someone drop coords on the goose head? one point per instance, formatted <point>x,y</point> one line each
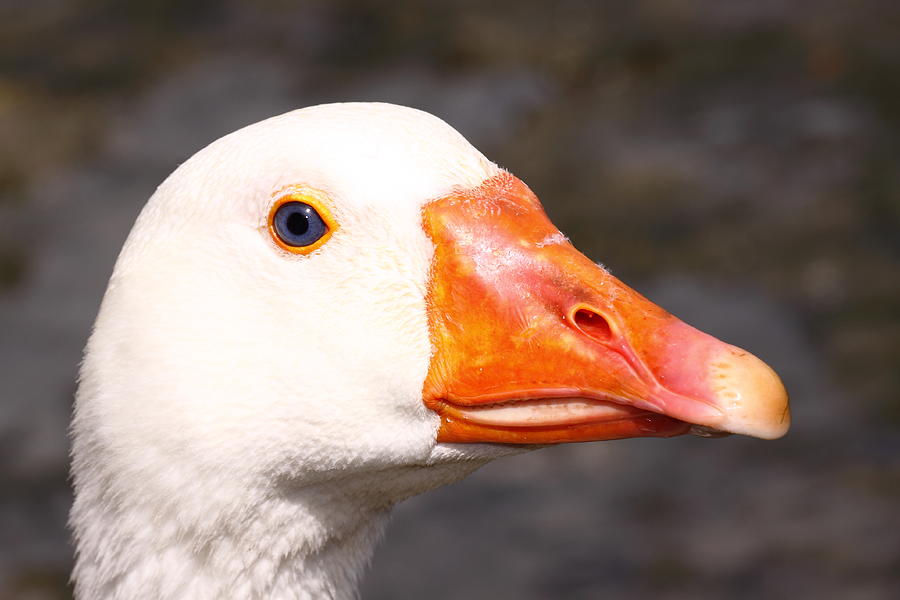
<point>352,299</point>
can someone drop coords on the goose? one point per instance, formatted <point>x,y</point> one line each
<point>332,310</point>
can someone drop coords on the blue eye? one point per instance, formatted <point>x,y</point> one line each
<point>298,224</point>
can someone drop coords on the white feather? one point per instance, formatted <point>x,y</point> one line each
<point>246,418</point>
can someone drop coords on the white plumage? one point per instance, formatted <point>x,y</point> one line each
<point>245,419</point>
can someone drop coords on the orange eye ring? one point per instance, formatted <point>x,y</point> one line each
<point>318,201</point>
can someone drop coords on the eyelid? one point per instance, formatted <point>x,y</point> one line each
<point>315,198</point>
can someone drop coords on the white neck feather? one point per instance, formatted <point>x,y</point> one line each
<point>297,542</point>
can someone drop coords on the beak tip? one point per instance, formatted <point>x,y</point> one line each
<point>752,396</point>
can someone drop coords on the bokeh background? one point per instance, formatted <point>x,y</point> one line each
<point>738,162</point>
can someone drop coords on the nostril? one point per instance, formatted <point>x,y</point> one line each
<point>593,324</point>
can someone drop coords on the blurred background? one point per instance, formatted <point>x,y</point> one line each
<point>737,162</point>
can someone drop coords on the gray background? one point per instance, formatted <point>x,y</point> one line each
<point>735,161</point>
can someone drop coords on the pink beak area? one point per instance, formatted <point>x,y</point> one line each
<point>746,394</point>
<point>535,344</point>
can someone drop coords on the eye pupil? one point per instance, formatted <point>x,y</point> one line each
<point>298,224</point>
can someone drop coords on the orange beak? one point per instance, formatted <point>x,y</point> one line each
<point>535,344</point>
